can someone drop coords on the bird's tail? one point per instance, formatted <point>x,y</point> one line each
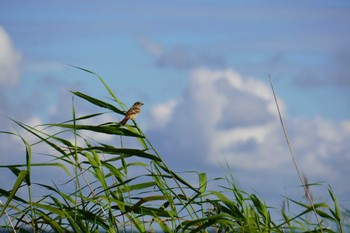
<point>123,122</point>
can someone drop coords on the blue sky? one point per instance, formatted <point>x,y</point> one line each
<point>201,67</point>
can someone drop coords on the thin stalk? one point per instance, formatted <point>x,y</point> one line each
<point>31,208</point>
<point>8,218</point>
<point>76,167</point>
<point>308,195</point>
<point>125,171</point>
<point>28,181</point>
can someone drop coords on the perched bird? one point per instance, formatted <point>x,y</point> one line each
<point>132,112</point>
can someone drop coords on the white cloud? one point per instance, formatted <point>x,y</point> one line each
<point>219,110</point>
<point>162,113</point>
<point>223,117</point>
<point>9,60</point>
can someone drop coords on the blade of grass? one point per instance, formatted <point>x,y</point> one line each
<point>20,178</point>
<point>98,102</point>
<point>202,182</point>
<point>336,211</point>
<point>123,152</point>
<point>15,170</point>
<point>28,160</point>
<point>109,129</point>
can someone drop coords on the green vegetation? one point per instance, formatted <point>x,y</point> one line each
<point>109,188</point>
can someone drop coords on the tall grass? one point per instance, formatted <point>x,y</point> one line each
<point>118,188</point>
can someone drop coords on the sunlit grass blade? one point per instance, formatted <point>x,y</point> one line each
<point>202,182</point>
<point>122,152</point>
<point>336,212</point>
<point>114,171</point>
<point>28,160</point>
<point>56,227</point>
<point>109,129</point>
<point>261,207</point>
<point>199,225</point>
<point>20,178</point>
<point>163,226</point>
<point>14,167</point>
<point>140,186</point>
<point>98,102</point>
<point>230,204</point>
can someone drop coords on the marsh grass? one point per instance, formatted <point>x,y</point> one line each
<point>117,188</point>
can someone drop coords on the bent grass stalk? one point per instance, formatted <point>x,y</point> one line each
<point>302,180</point>
<point>9,219</point>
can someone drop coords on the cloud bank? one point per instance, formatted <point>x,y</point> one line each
<point>223,117</point>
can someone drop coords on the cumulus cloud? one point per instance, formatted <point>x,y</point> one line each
<point>219,110</point>
<point>9,60</point>
<point>223,117</point>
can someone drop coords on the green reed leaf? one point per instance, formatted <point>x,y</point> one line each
<point>98,102</point>
<point>20,178</point>
<point>107,129</point>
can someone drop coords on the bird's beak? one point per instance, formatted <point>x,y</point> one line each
<point>142,103</point>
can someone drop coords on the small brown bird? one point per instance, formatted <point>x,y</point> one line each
<point>132,112</point>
